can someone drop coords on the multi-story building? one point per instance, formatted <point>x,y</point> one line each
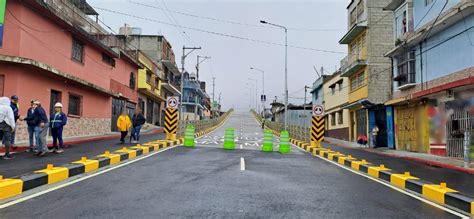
<point>159,50</point>
<point>335,98</point>
<point>194,98</point>
<point>368,38</point>
<point>433,69</point>
<point>53,52</point>
<point>150,99</point>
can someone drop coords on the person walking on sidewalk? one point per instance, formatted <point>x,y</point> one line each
<point>7,124</point>
<point>41,121</point>
<point>137,122</point>
<point>58,121</point>
<point>123,125</point>
<point>375,132</point>
<point>33,131</point>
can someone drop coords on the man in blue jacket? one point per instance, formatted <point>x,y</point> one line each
<point>33,130</point>
<point>58,121</point>
<point>40,119</point>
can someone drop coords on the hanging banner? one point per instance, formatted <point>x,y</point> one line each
<point>3,4</point>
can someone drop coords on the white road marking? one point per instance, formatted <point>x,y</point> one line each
<point>14,202</point>
<point>240,146</point>
<point>396,188</point>
<point>242,164</point>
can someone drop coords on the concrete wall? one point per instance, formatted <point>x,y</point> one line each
<point>429,12</point>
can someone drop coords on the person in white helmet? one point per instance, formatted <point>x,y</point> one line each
<point>57,121</point>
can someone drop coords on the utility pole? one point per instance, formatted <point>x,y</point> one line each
<point>183,58</point>
<point>213,88</point>
<point>219,100</point>
<point>304,111</point>
<point>199,62</point>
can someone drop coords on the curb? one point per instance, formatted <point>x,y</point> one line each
<point>420,160</point>
<point>438,193</point>
<point>52,174</point>
<point>85,140</point>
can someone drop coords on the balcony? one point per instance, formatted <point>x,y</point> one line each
<point>405,81</point>
<point>355,61</point>
<point>355,31</point>
<point>172,86</point>
<point>120,89</point>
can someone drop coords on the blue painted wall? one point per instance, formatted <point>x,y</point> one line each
<point>420,10</point>
<point>446,52</point>
<point>317,91</point>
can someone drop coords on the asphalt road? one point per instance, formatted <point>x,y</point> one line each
<point>208,182</point>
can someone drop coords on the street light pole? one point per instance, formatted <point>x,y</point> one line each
<point>198,63</point>
<point>256,94</point>
<point>263,87</point>
<point>183,58</point>
<point>286,69</point>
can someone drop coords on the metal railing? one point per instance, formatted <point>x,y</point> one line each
<point>201,125</point>
<point>296,132</point>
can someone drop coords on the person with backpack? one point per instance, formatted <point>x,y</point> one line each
<point>58,121</point>
<point>123,125</point>
<point>137,122</point>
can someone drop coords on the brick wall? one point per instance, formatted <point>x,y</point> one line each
<point>379,41</point>
<point>341,134</point>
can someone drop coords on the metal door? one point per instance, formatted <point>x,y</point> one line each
<point>117,107</point>
<point>149,111</point>
<point>459,122</point>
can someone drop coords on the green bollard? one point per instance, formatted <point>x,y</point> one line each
<point>284,142</point>
<point>229,140</point>
<point>189,136</point>
<point>267,141</point>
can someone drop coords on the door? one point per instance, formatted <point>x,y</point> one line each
<point>55,97</point>
<point>390,131</point>
<point>381,122</point>
<point>117,107</point>
<point>156,113</point>
<point>149,111</point>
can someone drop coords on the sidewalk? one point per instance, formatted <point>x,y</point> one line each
<point>90,147</point>
<point>22,146</point>
<point>432,168</point>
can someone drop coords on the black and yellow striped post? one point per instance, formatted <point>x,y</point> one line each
<point>317,131</point>
<point>171,123</point>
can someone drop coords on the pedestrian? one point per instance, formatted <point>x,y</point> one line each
<point>263,122</point>
<point>7,125</point>
<point>32,127</point>
<point>137,122</point>
<point>57,121</point>
<point>40,120</point>
<point>375,132</point>
<point>123,125</point>
<point>15,108</point>
<point>362,140</point>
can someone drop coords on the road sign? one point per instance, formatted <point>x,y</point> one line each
<point>172,102</point>
<point>318,110</point>
<point>317,130</point>
<point>171,122</point>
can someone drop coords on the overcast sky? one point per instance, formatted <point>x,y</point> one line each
<point>232,58</point>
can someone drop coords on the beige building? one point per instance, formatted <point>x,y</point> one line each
<point>335,98</point>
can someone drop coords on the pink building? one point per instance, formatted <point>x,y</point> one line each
<point>52,52</point>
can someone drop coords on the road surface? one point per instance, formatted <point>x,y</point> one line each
<point>209,182</point>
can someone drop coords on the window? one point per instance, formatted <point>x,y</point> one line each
<point>353,16</point>
<point>333,90</point>
<point>406,68</point>
<point>360,8</point>
<point>340,118</point>
<point>340,85</point>
<point>428,2</point>
<point>132,80</point>
<point>75,105</point>
<point>148,77</point>
<point>108,60</point>
<point>333,119</point>
<point>2,84</point>
<point>77,50</point>
<point>54,98</point>
<point>358,81</point>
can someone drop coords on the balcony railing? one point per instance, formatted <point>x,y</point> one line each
<point>354,61</point>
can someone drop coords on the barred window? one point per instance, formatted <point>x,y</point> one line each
<point>77,50</point>
<point>340,118</point>
<point>333,119</point>
<point>108,60</point>
<point>406,68</point>
<point>75,105</point>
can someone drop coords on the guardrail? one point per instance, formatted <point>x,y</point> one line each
<point>201,125</point>
<point>296,132</point>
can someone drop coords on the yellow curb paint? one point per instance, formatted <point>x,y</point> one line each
<point>436,192</point>
<point>374,171</point>
<point>399,180</point>
<point>145,150</point>
<point>356,164</point>
<point>89,165</point>
<point>341,160</point>
<point>10,187</point>
<point>114,158</point>
<point>55,174</point>
<point>131,153</point>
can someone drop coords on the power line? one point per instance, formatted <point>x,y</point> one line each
<point>229,21</point>
<point>219,34</point>
<point>172,19</point>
